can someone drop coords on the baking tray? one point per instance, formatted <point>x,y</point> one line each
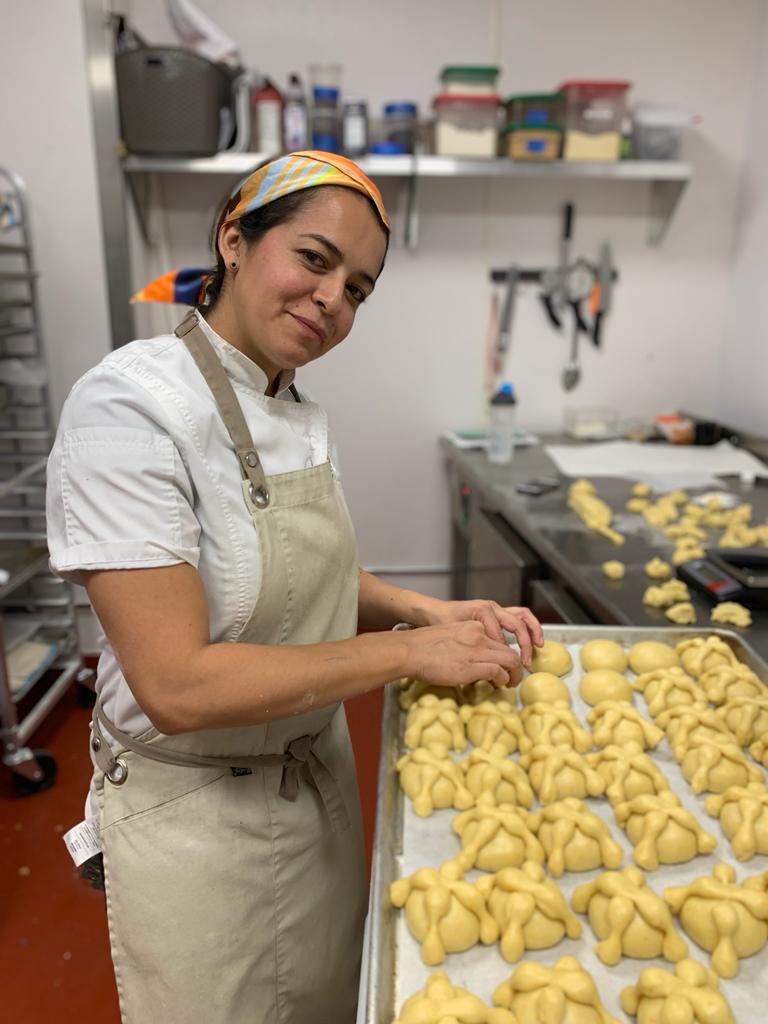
<point>392,968</point>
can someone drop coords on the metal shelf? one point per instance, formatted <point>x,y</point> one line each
<point>21,563</point>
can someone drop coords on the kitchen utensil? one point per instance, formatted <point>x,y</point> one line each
<point>572,370</point>
<point>605,275</point>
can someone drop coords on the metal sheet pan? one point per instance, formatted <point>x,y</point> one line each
<point>392,968</point>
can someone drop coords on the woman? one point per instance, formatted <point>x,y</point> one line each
<point>192,491</point>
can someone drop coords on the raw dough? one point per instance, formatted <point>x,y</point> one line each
<point>433,780</point>
<point>667,687</point>
<point>664,595</point>
<point>684,614</point>
<point>683,721</point>
<point>689,996</point>
<point>641,490</point>
<point>494,778</point>
<point>440,1002</point>
<point>662,831</point>
<point>743,813</point>
<point>604,684</point>
<point>637,504</point>
<point>647,655</point>
<point>574,839</point>
<point>685,550</point>
<point>715,765</point>
<point>557,772</point>
<point>727,682</point>
<point>628,917</point>
<point>563,994</point>
<point>552,657</point>
<point>658,569</point>
<point>596,654</point>
<point>700,654</point>
<point>616,722</point>
<point>434,721</point>
<point>493,838</point>
<point>411,689</point>
<point>759,750</point>
<point>592,511</point>
<point>627,773</point>
<point>686,530</point>
<point>746,717</point>
<point>494,722</point>
<point>444,913</point>
<point>614,570</point>
<point>555,724</point>
<point>543,687</point>
<point>724,917</point>
<point>529,909</point>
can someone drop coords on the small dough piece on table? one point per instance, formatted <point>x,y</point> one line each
<point>445,913</point>
<point>746,717</point>
<point>641,490</point>
<point>743,813</point>
<point>552,657</point>
<point>529,909</point>
<point>604,684</point>
<point>658,569</point>
<point>728,919</point>
<point>617,723</point>
<point>646,655</point>
<point>628,917</point>
<point>686,550</point>
<point>593,511</point>
<point>596,654</point>
<point>493,778</point>
<point>543,687</point>
<point>727,682</point>
<point>563,994</point>
<point>556,725</point>
<point>433,780</point>
<point>614,570</point>
<point>493,838</point>
<point>627,773</point>
<point>664,595</point>
<point>412,689</point>
<point>715,765</point>
<point>667,687</point>
<point>683,614</point>
<point>433,721</point>
<point>686,530</point>
<point>440,1002</point>
<point>574,839</point>
<point>700,654</point>
<point>690,996</point>
<point>637,504</point>
<point>494,722</point>
<point>662,831</point>
<point>557,772</point>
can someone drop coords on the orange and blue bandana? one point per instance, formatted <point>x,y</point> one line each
<point>281,177</point>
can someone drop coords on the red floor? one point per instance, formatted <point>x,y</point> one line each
<point>54,950</point>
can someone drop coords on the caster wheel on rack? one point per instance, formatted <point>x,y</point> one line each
<point>28,787</point>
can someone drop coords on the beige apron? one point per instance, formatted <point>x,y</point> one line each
<point>233,858</point>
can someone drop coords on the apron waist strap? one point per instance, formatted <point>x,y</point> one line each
<point>299,752</point>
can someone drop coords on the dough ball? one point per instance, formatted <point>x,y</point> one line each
<point>641,490</point>
<point>543,686</point>
<point>684,614</point>
<point>637,504</point>
<point>604,684</point>
<point>658,569</point>
<point>648,655</point>
<point>732,614</point>
<point>614,570</point>
<point>552,657</point>
<point>603,654</point>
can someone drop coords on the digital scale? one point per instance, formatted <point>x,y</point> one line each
<point>730,574</point>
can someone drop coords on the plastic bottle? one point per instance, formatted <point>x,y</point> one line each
<point>354,127</point>
<point>267,108</point>
<point>325,118</point>
<point>295,121</point>
<point>501,433</point>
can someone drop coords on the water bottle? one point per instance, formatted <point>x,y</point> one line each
<point>501,433</point>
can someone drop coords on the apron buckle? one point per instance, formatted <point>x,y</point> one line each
<point>117,772</point>
<point>259,496</point>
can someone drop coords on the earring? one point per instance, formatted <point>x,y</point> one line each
<point>233,264</point>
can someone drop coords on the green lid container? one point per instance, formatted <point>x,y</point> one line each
<point>469,72</point>
<point>521,126</point>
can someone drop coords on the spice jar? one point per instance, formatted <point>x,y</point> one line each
<point>354,127</point>
<point>400,124</point>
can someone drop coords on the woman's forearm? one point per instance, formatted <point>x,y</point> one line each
<point>382,605</point>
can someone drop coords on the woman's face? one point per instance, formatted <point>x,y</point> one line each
<point>297,290</point>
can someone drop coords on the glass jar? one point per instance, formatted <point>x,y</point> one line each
<point>325,118</point>
<point>354,127</point>
<point>400,120</point>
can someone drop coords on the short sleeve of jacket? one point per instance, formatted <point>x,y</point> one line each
<point>118,492</point>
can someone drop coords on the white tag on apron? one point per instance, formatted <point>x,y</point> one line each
<point>83,841</point>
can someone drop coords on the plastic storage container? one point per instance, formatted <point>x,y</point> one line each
<point>469,79</point>
<point>593,115</point>
<point>535,108</point>
<point>533,142</point>
<point>466,125</point>
<point>325,118</point>
<point>658,132</point>
<point>400,122</point>
<point>501,427</point>
<point>354,127</point>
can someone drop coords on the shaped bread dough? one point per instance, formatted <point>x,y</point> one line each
<point>759,750</point>
<point>494,722</point>
<point>640,490</point>
<point>593,511</point>
<point>604,684</point>
<point>691,996</point>
<point>627,773</point>
<point>528,908</point>
<point>543,687</point>
<point>563,994</point>
<point>662,831</point>
<point>556,725</point>
<point>660,513</point>
<point>685,530</point>
<point>686,550</point>
<point>440,1002</point>
<point>724,917</point>
<point>684,614</point>
<point>614,570</point>
<point>731,613</point>
<point>445,913</point>
<point>637,504</point>
<point>574,839</point>
<point>666,595</point>
<point>557,772</point>
<point>746,717</point>
<point>658,569</point>
<point>597,654</point>
<point>552,657</point>
<point>727,682</point>
<point>433,780</point>
<point>493,778</point>
<point>668,687</point>
<point>628,917</point>
<point>684,721</point>
<point>412,689</point>
<point>646,655</point>
<point>618,723</point>
<point>715,765</point>
<point>493,838</point>
<point>700,654</point>
<point>743,813</point>
<point>433,721</point>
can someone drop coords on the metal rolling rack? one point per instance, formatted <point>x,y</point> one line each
<point>39,656</point>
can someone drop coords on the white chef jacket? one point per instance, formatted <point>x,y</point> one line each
<point>143,473</point>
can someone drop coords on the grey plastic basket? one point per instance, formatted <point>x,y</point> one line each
<point>171,101</point>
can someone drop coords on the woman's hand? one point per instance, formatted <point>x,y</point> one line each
<point>460,653</point>
<point>519,621</point>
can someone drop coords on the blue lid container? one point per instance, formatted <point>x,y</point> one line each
<point>325,94</point>
<point>400,110</point>
<point>388,148</point>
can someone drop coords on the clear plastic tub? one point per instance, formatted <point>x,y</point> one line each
<point>593,114</point>
<point>658,132</point>
<point>535,108</point>
<point>533,142</point>
<point>466,125</point>
<point>469,79</point>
